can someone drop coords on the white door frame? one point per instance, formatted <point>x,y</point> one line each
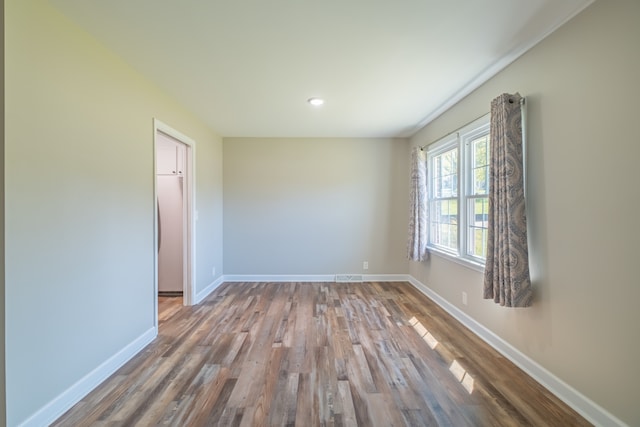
<point>189,243</point>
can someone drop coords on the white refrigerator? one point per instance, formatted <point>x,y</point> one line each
<point>170,233</point>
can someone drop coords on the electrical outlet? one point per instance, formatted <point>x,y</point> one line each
<point>213,271</point>
<point>464,298</point>
<point>365,265</point>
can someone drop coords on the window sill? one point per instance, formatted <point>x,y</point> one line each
<point>461,261</point>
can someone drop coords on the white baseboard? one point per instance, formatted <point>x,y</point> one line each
<point>591,411</point>
<point>206,291</point>
<point>312,278</point>
<point>280,278</point>
<point>386,277</point>
<point>59,405</point>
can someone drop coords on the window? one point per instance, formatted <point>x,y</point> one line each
<point>458,188</point>
<point>443,172</point>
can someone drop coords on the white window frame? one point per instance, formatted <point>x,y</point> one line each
<point>442,146</point>
<point>461,140</point>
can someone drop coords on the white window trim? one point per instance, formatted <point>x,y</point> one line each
<point>461,140</point>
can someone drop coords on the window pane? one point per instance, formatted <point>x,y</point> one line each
<point>480,180</point>
<point>481,212</point>
<point>478,221</point>
<point>478,246</point>
<point>444,223</point>
<point>448,236</point>
<point>445,174</point>
<point>481,151</point>
<point>453,237</point>
<point>480,165</point>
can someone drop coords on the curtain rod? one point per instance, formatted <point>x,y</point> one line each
<point>422,147</point>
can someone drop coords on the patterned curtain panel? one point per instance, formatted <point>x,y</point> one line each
<point>417,244</point>
<point>506,274</point>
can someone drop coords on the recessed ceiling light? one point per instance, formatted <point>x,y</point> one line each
<point>316,102</point>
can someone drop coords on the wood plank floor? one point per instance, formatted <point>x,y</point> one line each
<point>317,354</point>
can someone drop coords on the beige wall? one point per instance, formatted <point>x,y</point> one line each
<point>79,206</point>
<point>582,90</point>
<point>3,412</point>
<point>79,203</point>
<point>209,201</point>
<point>315,206</point>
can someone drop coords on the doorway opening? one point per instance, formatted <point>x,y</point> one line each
<point>174,215</point>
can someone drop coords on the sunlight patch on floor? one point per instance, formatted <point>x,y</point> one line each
<point>456,368</point>
<point>424,333</point>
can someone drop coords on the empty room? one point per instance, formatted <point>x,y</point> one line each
<point>372,213</point>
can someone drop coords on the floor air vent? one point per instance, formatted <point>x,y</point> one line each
<point>349,278</point>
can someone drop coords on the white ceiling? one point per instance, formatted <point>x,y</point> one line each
<point>386,68</point>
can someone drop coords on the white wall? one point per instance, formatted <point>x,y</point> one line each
<point>315,206</point>
<point>79,204</point>
<point>582,91</point>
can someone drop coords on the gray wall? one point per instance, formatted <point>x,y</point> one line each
<point>79,204</point>
<point>315,206</point>
<point>582,91</point>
